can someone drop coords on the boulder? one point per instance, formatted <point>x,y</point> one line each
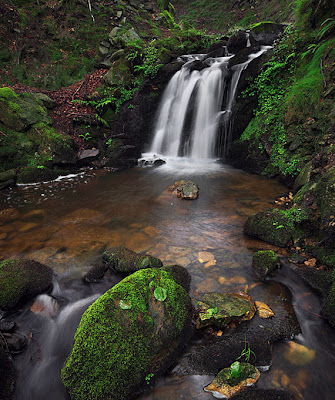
<point>7,178</point>
<point>46,100</point>
<point>36,174</point>
<point>221,309</point>
<point>230,381</point>
<point>325,198</point>
<point>15,342</point>
<point>87,156</point>
<point>128,336</point>
<point>264,262</point>
<point>185,190</point>
<point>265,33</point>
<point>273,226</point>
<point>96,273</point>
<point>237,42</point>
<point>265,394</point>
<point>22,279</point>
<point>127,261</point>
<point>120,72</point>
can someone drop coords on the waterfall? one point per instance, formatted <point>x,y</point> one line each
<point>204,100</point>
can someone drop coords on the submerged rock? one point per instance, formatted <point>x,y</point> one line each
<point>220,309</point>
<point>227,384</point>
<point>45,305</point>
<point>264,262</point>
<point>124,260</point>
<point>185,189</point>
<point>21,280</point>
<point>96,273</point>
<point>128,335</point>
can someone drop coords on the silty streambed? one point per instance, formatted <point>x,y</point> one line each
<point>67,224</point>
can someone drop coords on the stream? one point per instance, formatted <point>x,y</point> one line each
<point>67,224</point>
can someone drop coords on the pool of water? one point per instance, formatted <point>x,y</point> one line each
<point>67,224</point>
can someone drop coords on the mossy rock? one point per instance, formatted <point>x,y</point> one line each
<point>219,309</point>
<point>325,197</point>
<point>264,262</point>
<point>227,385</point>
<point>37,174</point>
<point>19,112</point>
<point>304,177</point>
<point>179,274</point>
<point>273,226</point>
<point>119,73</point>
<point>21,280</point>
<point>127,261</point>
<point>126,336</point>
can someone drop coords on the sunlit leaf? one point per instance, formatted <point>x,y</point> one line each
<point>125,304</point>
<point>235,369</point>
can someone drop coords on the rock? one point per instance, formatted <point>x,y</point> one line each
<point>116,55</point>
<point>87,156</point>
<point>265,394</point>
<point>304,177</point>
<point>127,261</point>
<point>35,174</point>
<point>221,309</point>
<point>226,385</point>
<point>265,33</point>
<point>46,100</point>
<point>6,184</point>
<point>179,274</point>
<point>263,310</point>
<point>16,342</point>
<point>7,375</point>
<point>264,262</point>
<point>120,71</point>
<point>237,42</point>
<point>299,355</point>
<point>185,189</point>
<point>8,175</point>
<point>7,326</point>
<point>20,112</point>
<point>273,226</point>
<point>126,336</point>
<point>243,55</point>
<point>325,198</point>
<point>21,280</point>
<point>164,55</point>
<point>96,273</point>
<point>45,305</point>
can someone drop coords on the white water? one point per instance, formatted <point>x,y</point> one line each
<point>207,91</point>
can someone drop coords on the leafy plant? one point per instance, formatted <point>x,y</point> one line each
<point>160,293</point>
<point>211,311</point>
<point>246,352</point>
<point>125,304</point>
<point>235,369</point>
<point>86,136</point>
<point>148,378</point>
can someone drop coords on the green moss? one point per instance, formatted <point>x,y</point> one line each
<point>115,349</point>
<point>21,279</point>
<point>264,262</point>
<point>7,94</point>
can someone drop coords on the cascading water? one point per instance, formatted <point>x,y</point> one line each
<point>201,93</point>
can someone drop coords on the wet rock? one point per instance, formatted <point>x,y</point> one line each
<point>185,189</point>
<point>7,326</point>
<point>127,261</point>
<point>21,280</point>
<point>7,375</point>
<point>243,56</point>
<point>45,305</point>
<point>227,384</point>
<point>35,174</point>
<point>263,310</point>
<point>221,309</point>
<point>272,226</point>
<point>96,273</point>
<point>237,42</point>
<point>264,262</point>
<point>128,334</point>
<point>87,156</point>
<point>179,274</point>
<point>265,394</point>
<point>298,354</point>
<point>15,342</point>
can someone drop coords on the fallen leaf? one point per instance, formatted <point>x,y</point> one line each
<point>263,310</point>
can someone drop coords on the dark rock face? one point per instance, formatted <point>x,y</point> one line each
<point>128,337</point>
<point>96,273</point>
<point>265,394</point>
<point>265,33</point>
<point>7,376</point>
<point>127,261</point>
<point>21,280</point>
<point>237,42</point>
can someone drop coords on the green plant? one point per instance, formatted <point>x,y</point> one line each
<point>125,304</point>
<point>246,352</point>
<point>86,136</point>
<point>148,378</point>
<point>160,294</point>
<point>211,311</point>
<point>235,369</point>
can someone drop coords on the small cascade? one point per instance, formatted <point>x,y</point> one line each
<point>202,99</point>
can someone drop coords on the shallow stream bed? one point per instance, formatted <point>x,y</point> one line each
<point>68,223</point>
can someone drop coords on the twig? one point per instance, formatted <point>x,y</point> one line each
<point>324,80</point>
<point>6,344</point>
<point>2,133</point>
<point>90,8</point>
<point>80,86</point>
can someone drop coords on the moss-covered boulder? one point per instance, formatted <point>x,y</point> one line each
<point>128,336</point>
<point>266,32</point>
<point>273,226</point>
<point>120,72</point>
<point>127,261</point>
<point>21,280</point>
<point>219,309</point>
<point>264,262</point>
<point>37,174</point>
<point>325,197</point>
<point>19,112</point>
<point>230,381</point>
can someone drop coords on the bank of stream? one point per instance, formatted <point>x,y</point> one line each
<point>68,223</point>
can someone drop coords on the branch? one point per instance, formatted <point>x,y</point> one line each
<point>90,9</point>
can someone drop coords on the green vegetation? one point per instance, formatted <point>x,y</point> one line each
<point>116,350</point>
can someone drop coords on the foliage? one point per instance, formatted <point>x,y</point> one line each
<point>246,352</point>
<point>235,369</point>
<point>160,293</point>
<point>211,311</point>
